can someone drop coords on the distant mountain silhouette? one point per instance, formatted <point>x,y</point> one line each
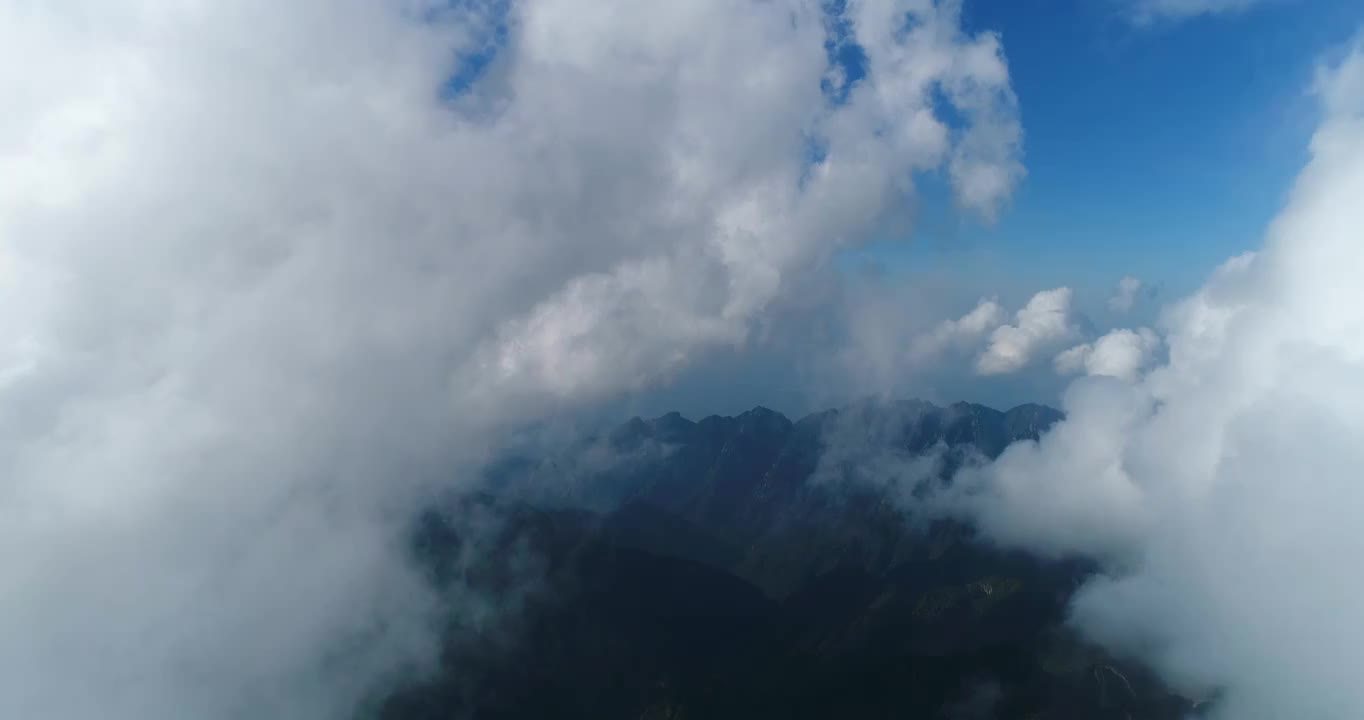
<point>719,574</point>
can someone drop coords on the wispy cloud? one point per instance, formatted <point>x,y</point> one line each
<point>1145,12</point>
<point>1125,295</point>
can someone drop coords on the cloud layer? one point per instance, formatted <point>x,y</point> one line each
<point>268,275</point>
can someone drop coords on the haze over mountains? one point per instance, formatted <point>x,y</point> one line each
<point>726,569</point>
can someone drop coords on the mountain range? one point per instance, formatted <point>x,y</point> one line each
<point>757,567</point>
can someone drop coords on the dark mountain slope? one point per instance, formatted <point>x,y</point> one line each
<point>612,631</point>
<point>788,500</point>
<point>740,574</point>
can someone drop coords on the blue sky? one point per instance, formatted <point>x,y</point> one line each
<point>1156,150</point>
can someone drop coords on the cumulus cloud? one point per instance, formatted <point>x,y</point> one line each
<point>268,275</point>
<point>1043,321</point>
<point>1120,354</point>
<point>960,333</point>
<point>1145,12</point>
<point>1221,489</point>
<point>1126,294</point>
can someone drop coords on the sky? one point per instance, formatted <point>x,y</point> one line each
<point>1155,148</point>
<point>274,277</point>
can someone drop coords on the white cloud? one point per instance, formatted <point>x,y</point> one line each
<point>261,289</point>
<point>962,333</point>
<point>1120,354</point>
<point>1043,321</point>
<point>1221,489</point>
<point>1126,294</point>
<point>1144,12</point>
<point>1072,360</point>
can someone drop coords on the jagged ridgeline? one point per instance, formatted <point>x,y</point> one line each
<point>754,567</point>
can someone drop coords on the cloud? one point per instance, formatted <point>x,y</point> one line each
<point>1220,489</point>
<point>863,449</point>
<point>1126,294</point>
<point>1044,320</point>
<point>960,333</point>
<point>1120,354</point>
<point>1145,12</point>
<point>269,277</point>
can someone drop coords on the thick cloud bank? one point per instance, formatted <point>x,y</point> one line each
<point>1222,488</point>
<point>269,270</point>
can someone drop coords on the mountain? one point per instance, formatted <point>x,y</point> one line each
<point>751,567</point>
<point>774,501</point>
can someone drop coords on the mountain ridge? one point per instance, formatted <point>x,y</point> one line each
<point>728,578</point>
<point>1039,416</point>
